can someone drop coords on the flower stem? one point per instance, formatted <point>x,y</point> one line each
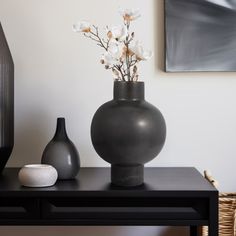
<point>127,41</point>
<point>95,37</point>
<point>119,68</point>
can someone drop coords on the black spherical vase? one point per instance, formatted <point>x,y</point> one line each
<point>6,101</point>
<point>128,132</point>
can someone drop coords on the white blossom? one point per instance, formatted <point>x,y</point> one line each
<point>108,59</point>
<point>117,50</point>
<point>118,33</point>
<point>130,14</point>
<point>82,26</point>
<point>140,53</point>
<point>114,55</point>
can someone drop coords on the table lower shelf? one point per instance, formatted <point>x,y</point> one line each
<point>104,211</point>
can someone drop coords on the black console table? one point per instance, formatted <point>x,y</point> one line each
<point>170,196</point>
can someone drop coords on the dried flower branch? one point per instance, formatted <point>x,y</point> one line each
<point>122,54</point>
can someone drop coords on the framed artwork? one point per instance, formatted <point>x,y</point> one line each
<point>200,35</point>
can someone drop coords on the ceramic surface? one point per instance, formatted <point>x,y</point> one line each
<point>38,175</point>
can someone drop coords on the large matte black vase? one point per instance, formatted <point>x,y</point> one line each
<point>6,101</point>
<point>128,132</point>
<point>62,154</point>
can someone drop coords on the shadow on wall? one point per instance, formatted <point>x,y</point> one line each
<point>31,137</point>
<point>159,34</point>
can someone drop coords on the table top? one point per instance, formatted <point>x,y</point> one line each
<point>158,181</point>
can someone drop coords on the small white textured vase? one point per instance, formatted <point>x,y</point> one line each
<point>38,175</point>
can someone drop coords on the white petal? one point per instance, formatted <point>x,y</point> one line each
<point>139,51</point>
<point>81,26</point>
<point>133,14</point>
<point>119,32</point>
<point>109,60</point>
<point>116,49</point>
<point>147,54</point>
<point>76,28</point>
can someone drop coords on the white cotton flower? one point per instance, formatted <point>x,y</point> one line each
<point>118,33</point>
<point>82,26</point>
<point>130,14</point>
<point>139,51</point>
<point>117,50</point>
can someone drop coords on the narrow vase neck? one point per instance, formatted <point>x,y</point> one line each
<point>60,130</point>
<point>128,90</point>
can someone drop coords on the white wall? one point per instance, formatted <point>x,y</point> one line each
<point>58,74</point>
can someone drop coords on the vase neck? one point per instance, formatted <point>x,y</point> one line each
<point>60,133</point>
<point>128,90</point>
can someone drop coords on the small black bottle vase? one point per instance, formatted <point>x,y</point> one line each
<point>6,101</point>
<point>62,154</point>
<point>128,132</point>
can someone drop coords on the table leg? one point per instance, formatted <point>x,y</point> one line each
<point>213,216</point>
<point>193,231</point>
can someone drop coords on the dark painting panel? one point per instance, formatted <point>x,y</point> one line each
<point>200,35</point>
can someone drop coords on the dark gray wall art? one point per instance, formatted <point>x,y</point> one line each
<point>200,35</point>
